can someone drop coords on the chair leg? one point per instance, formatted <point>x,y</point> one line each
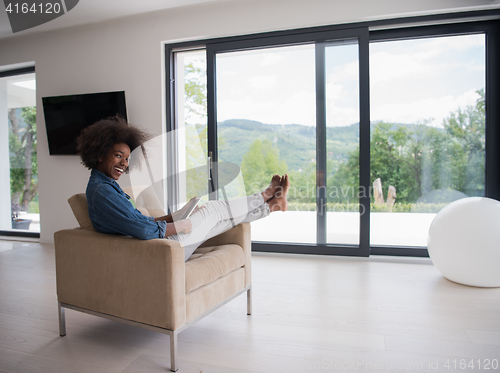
<point>249,301</point>
<point>62,320</point>
<point>173,351</point>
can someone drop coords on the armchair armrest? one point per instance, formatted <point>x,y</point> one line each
<point>143,281</point>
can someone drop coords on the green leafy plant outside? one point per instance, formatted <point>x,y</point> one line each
<point>354,207</point>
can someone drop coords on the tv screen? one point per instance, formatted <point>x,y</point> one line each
<point>67,116</point>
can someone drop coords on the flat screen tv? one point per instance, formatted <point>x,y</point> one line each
<point>67,116</point>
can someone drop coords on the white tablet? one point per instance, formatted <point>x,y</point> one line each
<point>189,208</point>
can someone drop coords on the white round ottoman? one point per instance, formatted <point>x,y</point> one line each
<point>464,242</point>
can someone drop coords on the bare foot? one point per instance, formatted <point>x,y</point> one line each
<point>279,202</point>
<point>273,188</point>
<point>285,185</point>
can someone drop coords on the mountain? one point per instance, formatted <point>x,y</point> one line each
<point>296,143</point>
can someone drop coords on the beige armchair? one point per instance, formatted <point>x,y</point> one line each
<point>147,283</point>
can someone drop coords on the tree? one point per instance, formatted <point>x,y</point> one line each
<point>467,128</point>
<point>343,179</point>
<point>396,157</point>
<point>23,156</point>
<point>195,101</point>
<point>259,164</point>
<point>195,109</point>
<point>417,158</point>
<point>195,88</point>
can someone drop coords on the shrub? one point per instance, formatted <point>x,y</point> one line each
<point>354,207</point>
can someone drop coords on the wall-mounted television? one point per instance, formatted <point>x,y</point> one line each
<point>67,116</point>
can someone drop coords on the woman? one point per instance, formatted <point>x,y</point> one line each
<point>105,149</point>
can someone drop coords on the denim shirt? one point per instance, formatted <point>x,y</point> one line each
<point>112,212</point>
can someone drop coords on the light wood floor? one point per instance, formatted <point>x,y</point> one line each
<point>310,314</point>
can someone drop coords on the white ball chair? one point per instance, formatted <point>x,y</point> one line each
<point>464,242</point>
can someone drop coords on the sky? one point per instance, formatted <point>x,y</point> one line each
<point>411,81</point>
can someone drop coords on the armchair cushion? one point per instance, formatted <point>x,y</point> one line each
<point>78,203</point>
<point>210,263</point>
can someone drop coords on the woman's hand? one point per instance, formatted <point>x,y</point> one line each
<point>183,226</point>
<point>197,208</point>
<point>177,215</point>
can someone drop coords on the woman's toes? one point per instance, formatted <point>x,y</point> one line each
<point>285,184</point>
<point>273,187</point>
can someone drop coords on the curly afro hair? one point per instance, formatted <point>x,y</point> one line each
<point>97,140</point>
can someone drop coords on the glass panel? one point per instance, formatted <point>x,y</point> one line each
<point>266,123</point>
<point>18,170</point>
<point>427,132</point>
<point>191,116</point>
<point>342,121</point>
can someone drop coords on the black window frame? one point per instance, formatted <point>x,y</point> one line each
<point>487,22</point>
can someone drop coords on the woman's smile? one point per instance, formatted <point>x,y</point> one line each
<point>115,163</point>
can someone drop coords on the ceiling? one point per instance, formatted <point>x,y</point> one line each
<point>91,11</point>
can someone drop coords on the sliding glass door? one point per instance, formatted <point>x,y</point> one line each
<point>428,132</point>
<point>294,108</point>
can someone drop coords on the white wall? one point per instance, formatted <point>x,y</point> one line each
<point>127,55</point>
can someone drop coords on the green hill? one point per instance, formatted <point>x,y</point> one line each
<point>296,143</point>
